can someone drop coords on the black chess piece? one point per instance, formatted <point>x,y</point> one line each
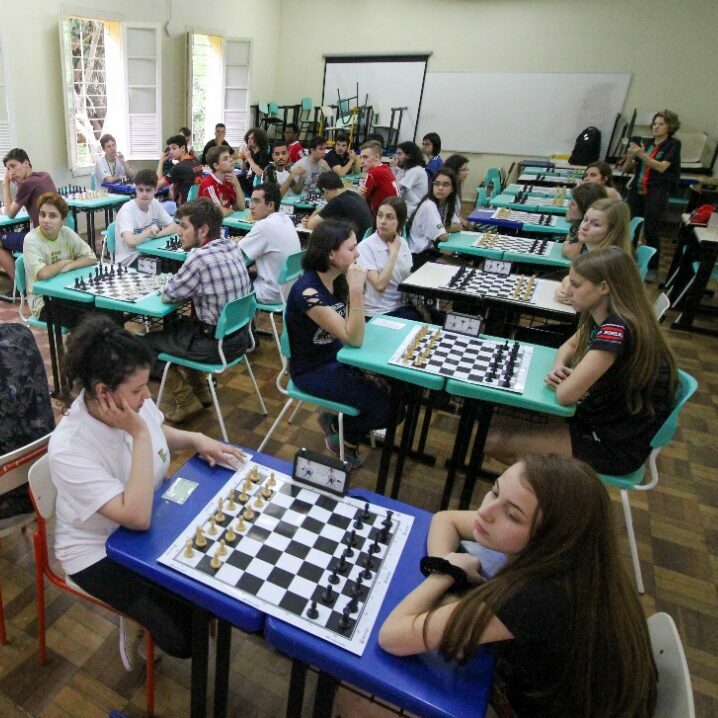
<point>333,578</point>
<point>353,605</point>
<point>348,553</point>
<point>312,610</point>
<point>77,282</point>
<point>352,538</point>
<point>342,565</point>
<point>358,589</point>
<point>383,534</point>
<point>112,270</point>
<point>120,270</point>
<point>365,513</point>
<point>345,621</point>
<point>82,284</point>
<point>358,523</point>
<point>328,594</point>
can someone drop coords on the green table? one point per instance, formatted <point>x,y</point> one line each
<point>531,191</point>
<point>239,220</point>
<point>157,248</point>
<point>294,200</point>
<point>531,204</point>
<point>22,217</point>
<point>479,403</point>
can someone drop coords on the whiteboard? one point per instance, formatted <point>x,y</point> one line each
<point>520,113</point>
<point>395,83</point>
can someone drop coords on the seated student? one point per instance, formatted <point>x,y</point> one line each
<point>563,649</point>
<point>325,310</point>
<point>601,173</point>
<point>187,134</point>
<point>291,137</point>
<point>29,186</point>
<point>605,224</point>
<point>306,171</point>
<point>342,203</point>
<point>380,182</point>
<point>211,276</point>
<point>111,166</point>
<point>431,147</point>
<point>277,172</point>
<point>218,140</point>
<point>436,216</point>
<point>107,457</point>
<point>50,249</point>
<point>460,165</point>
<point>186,171</point>
<point>411,177</point>
<point>222,186</point>
<point>340,158</point>
<point>618,367</point>
<point>582,197</point>
<point>24,406</point>
<point>386,257</point>
<point>271,240</point>
<point>256,157</point>
<point>140,219</point>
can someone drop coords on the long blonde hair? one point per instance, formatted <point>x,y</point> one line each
<point>627,298</point>
<point>618,217</point>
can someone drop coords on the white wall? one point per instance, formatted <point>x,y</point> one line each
<point>670,47</point>
<point>31,48</point>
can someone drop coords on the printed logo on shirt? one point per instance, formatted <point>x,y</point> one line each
<point>612,333</point>
<point>440,226</point>
<point>163,455</point>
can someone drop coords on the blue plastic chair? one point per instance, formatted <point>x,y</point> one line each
<point>493,178</point>
<point>108,242</point>
<point>21,286</point>
<point>193,192</point>
<point>295,394</point>
<point>634,229</point>
<point>291,270</point>
<point>635,480</point>
<point>235,315</point>
<point>643,257</point>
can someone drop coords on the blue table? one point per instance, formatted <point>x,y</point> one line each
<point>425,685</point>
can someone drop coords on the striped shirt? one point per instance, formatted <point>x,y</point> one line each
<point>211,276</point>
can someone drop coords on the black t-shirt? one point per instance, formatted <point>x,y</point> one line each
<point>333,159</point>
<point>210,145</point>
<point>604,409</point>
<point>183,175</point>
<point>668,151</point>
<point>352,207</point>
<point>539,617</point>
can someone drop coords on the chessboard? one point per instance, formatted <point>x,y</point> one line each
<point>119,282</point>
<point>541,190</point>
<point>513,215</point>
<point>501,365</point>
<point>506,243</point>
<point>557,200</point>
<point>516,287</point>
<point>318,561</point>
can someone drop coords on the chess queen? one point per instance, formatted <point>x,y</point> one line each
<point>560,613</point>
<point>107,456</point>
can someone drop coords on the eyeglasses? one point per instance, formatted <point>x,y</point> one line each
<point>442,184</point>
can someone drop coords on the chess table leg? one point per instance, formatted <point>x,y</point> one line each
<point>91,230</point>
<point>486,410</point>
<point>324,695</point>
<point>49,305</point>
<point>221,670</point>
<point>388,447</point>
<point>463,436</point>
<point>708,253</point>
<point>297,680</point>
<point>407,435</point>
<point>200,659</point>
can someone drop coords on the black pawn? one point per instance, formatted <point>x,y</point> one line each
<point>347,553</point>
<point>366,573</point>
<point>352,538</point>
<point>358,524</point>
<point>342,566</point>
<point>77,282</point>
<point>387,521</point>
<point>365,514</point>
<point>374,548</point>
<point>353,605</point>
<point>357,589</point>
<point>345,621</point>
<point>312,610</point>
<point>328,594</point>
<point>333,578</point>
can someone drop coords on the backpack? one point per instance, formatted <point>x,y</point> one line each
<point>587,148</point>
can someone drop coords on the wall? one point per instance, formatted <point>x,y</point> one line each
<point>32,56</point>
<point>670,47</point>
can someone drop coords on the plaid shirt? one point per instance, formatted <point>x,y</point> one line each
<point>211,276</point>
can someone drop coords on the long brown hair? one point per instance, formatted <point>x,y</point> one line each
<point>628,299</point>
<point>609,665</point>
<point>618,217</point>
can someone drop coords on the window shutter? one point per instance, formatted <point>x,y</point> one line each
<point>142,79</point>
<point>237,57</point>
<point>6,135</point>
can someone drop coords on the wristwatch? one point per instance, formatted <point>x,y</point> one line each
<point>436,564</point>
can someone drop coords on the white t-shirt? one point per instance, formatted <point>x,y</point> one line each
<point>269,243</point>
<point>131,218</point>
<point>90,464</point>
<point>374,255</point>
<point>426,227</point>
<point>312,170</point>
<point>413,186</point>
<point>103,169</point>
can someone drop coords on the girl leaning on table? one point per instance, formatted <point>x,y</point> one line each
<point>561,615</point>
<point>107,456</point>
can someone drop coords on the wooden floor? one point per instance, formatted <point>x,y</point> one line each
<point>676,526</point>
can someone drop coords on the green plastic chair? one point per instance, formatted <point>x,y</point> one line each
<point>92,181</point>
<point>291,271</point>
<point>634,229</point>
<point>635,480</point>
<point>493,178</point>
<point>193,192</point>
<point>293,393</point>
<point>21,286</point>
<point>643,257</point>
<point>235,315</point>
<point>108,242</point>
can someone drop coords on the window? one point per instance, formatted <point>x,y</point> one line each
<point>6,134</point>
<point>111,85</point>
<point>211,57</point>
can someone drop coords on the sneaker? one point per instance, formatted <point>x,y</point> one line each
<point>130,636</point>
<point>326,423</point>
<point>181,413</point>
<point>350,452</point>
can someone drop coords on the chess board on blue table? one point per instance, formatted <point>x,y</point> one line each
<point>316,560</point>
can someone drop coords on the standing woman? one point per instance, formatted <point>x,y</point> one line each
<point>256,158</point>
<point>386,257</point>
<point>561,616</point>
<point>436,216</point>
<point>107,456</point>
<point>325,311</point>
<point>657,168</point>
<point>460,165</point>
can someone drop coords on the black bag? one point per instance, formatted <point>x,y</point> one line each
<point>587,148</point>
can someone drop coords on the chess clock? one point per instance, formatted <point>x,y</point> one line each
<point>495,266</point>
<point>324,472</point>
<point>469,324</point>
<point>148,265</point>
